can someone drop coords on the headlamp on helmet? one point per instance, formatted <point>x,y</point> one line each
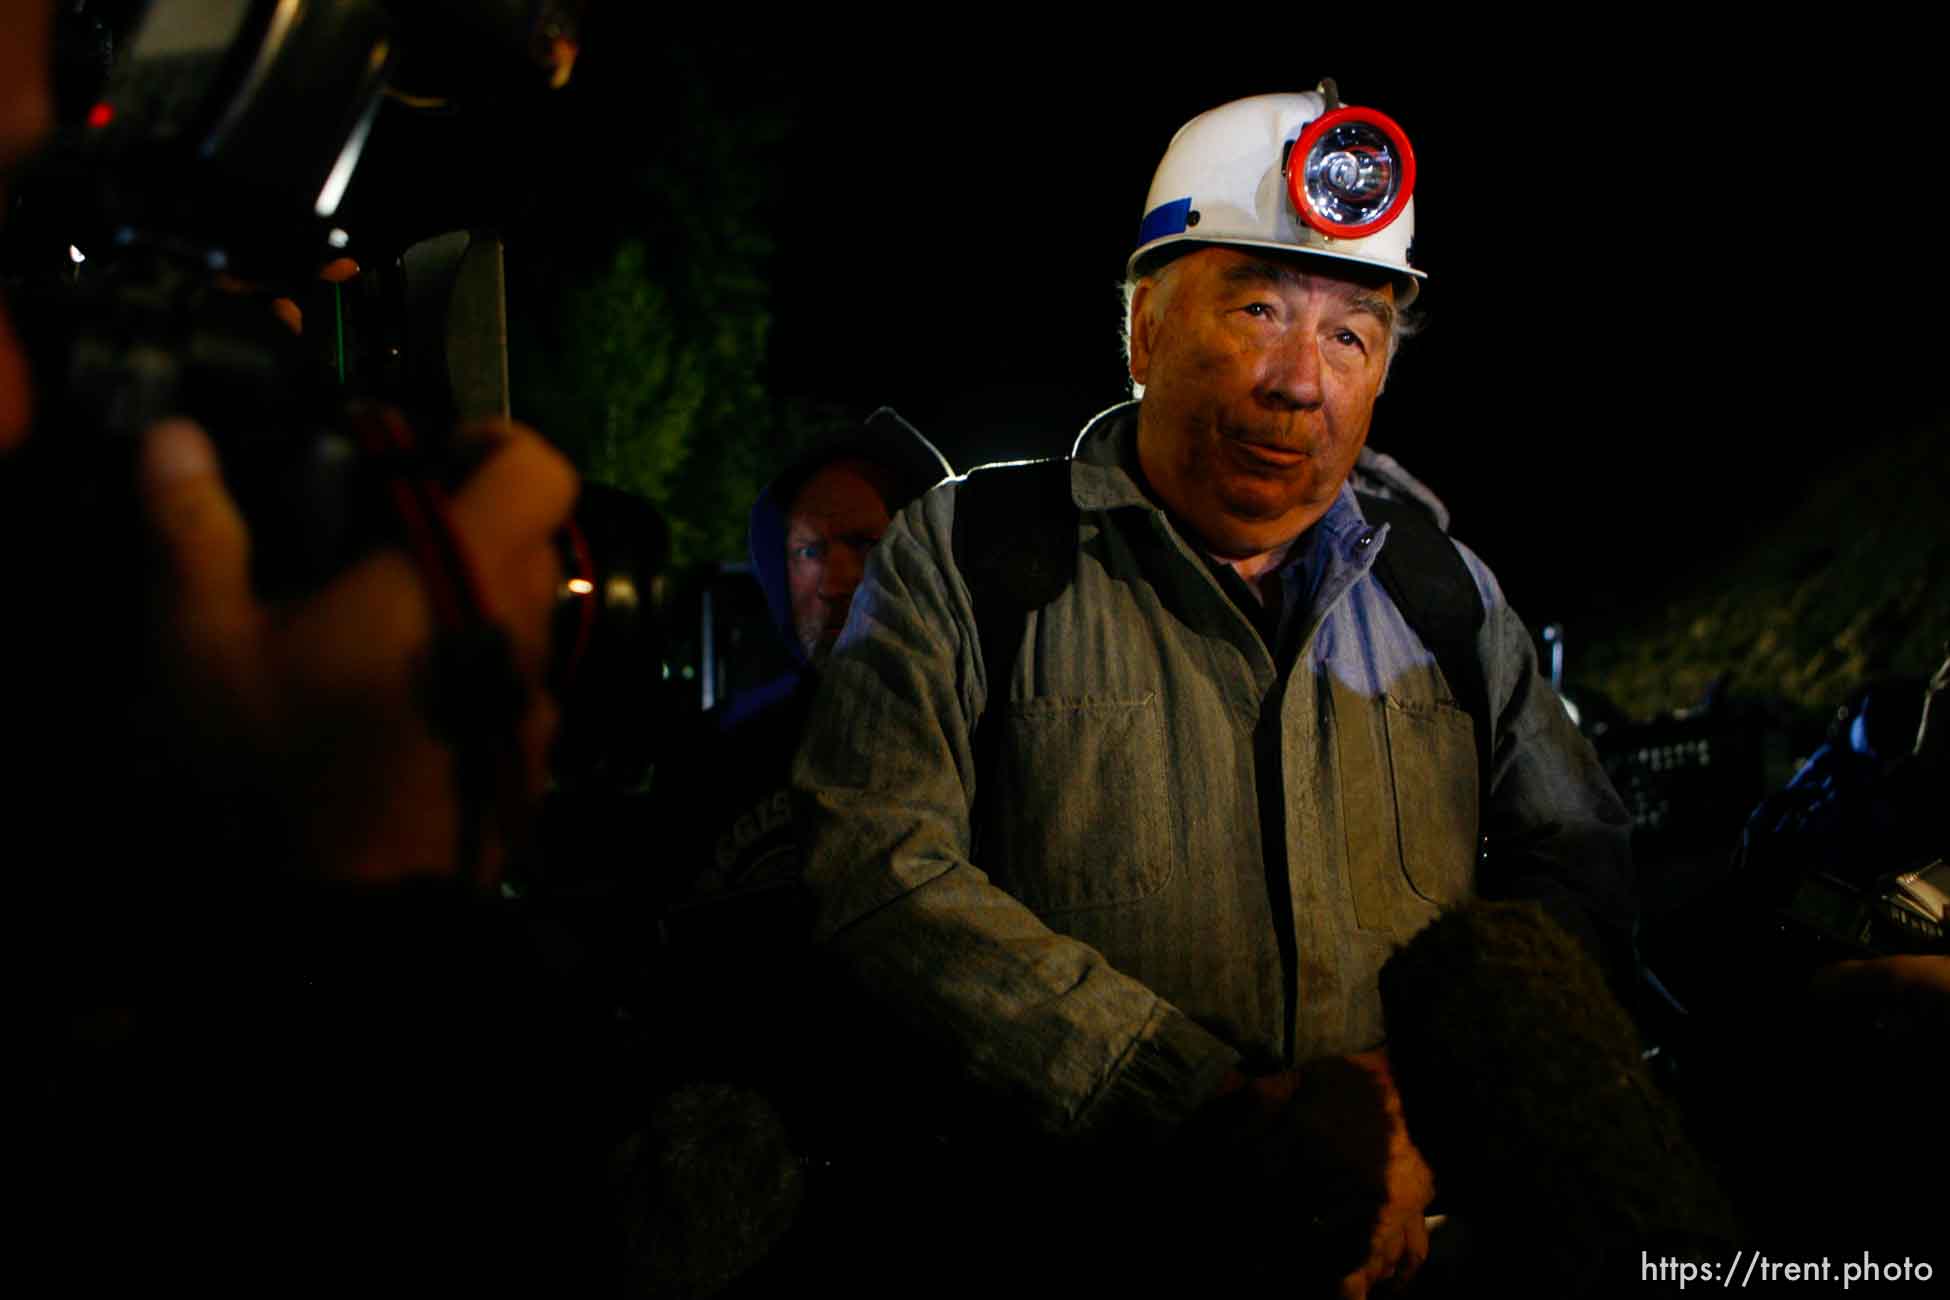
<point>1350,173</point>
<point>1294,173</point>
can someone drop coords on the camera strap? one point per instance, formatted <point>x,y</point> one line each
<point>472,693</point>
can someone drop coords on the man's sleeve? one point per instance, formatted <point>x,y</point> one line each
<point>1558,833</point>
<point>885,779</point>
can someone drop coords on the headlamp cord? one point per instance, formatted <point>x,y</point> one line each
<point>473,695</point>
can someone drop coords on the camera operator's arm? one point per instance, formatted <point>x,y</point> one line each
<point>317,703</point>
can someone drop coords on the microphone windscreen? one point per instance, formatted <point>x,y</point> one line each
<point>1523,1084</point>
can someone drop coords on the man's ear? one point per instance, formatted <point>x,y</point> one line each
<point>1142,329</point>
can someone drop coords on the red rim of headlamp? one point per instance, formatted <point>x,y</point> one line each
<point>1296,171</point>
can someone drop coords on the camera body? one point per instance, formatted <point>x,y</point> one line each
<point>210,154</point>
<point>205,152</point>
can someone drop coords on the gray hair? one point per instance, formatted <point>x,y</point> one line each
<point>1402,323</point>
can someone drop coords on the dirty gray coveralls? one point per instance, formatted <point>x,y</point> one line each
<point>1121,945</point>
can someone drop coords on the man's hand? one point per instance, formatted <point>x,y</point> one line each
<point>1334,1132</point>
<point>1399,1242</point>
<point>317,702</point>
<point>1913,991</point>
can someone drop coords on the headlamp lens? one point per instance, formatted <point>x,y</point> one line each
<point>1350,173</point>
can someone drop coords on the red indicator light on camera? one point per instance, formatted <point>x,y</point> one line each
<point>101,115</point>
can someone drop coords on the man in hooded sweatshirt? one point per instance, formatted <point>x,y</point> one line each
<point>811,530</point>
<point>739,997</point>
<point>737,907</point>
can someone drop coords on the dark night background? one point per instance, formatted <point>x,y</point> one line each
<point>1674,286</point>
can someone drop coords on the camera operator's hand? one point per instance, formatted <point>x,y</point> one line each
<point>315,703</point>
<point>289,314</point>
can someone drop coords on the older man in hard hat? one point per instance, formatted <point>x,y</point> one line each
<point>1132,769</point>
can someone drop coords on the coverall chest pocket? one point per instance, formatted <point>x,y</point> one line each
<point>1081,819</point>
<point>1432,760</point>
<point>1408,802</point>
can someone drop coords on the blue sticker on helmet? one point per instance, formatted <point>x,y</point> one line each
<point>1165,219</point>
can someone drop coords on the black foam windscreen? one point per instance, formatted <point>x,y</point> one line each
<point>1524,1086</point>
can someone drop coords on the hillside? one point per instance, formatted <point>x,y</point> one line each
<point>1847,585</point>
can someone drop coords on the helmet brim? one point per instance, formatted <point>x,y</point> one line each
<point>1147,260</point>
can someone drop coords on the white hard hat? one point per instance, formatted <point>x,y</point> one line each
<point>1299,173</point>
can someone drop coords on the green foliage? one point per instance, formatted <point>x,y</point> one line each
<point>1852,585</point>
<point>639,304</point>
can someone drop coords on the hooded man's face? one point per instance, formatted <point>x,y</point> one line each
<point>832,523</point>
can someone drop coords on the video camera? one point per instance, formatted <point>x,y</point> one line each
<point>210,153</point>
<point>207,145</point>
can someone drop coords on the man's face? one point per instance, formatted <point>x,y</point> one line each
<point>26,110</point>
<point>831,525</point>
<point>1260,376</point>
